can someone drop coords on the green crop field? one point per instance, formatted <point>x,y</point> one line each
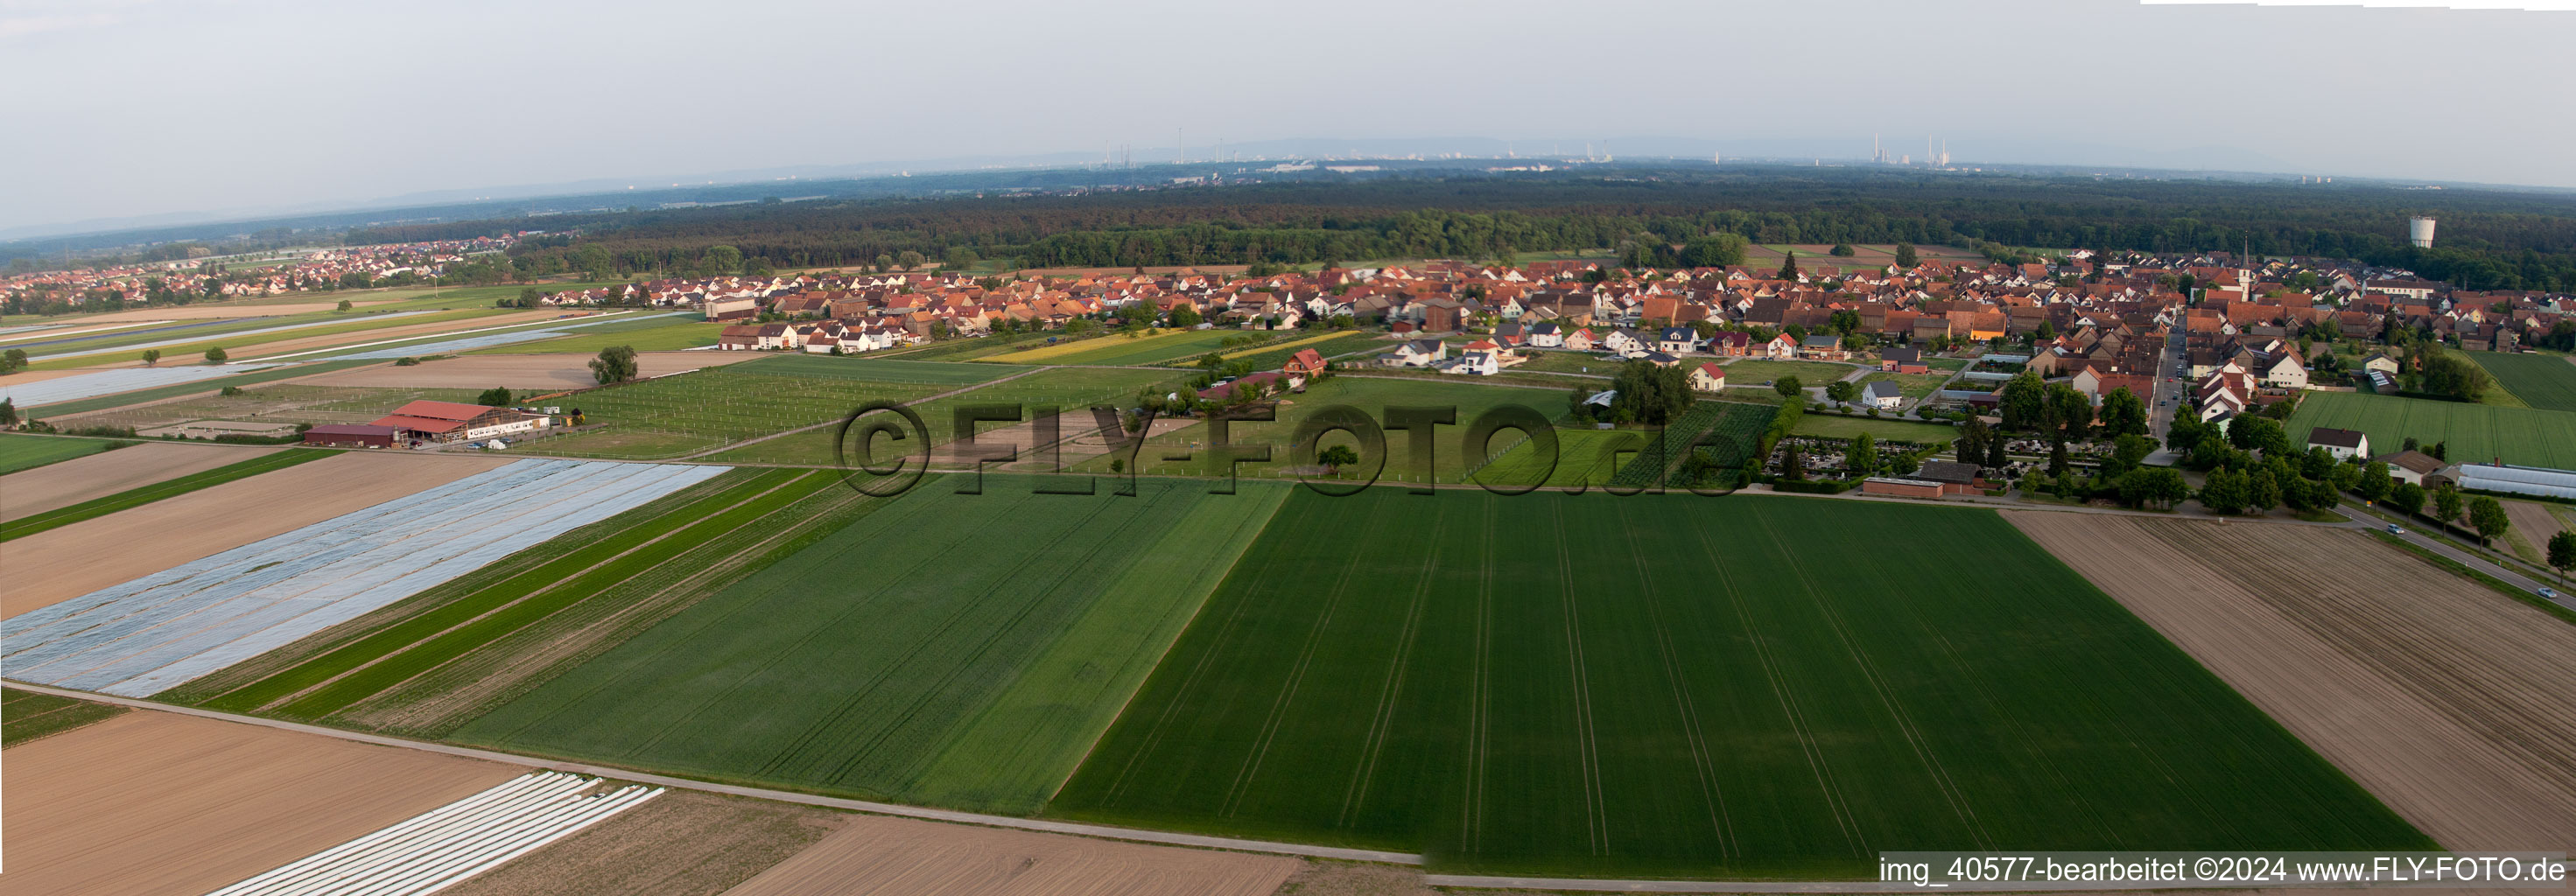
<point>968,349</point>
<point>27,715</point>
<point>434,661</point>
<point>1559,361</point>
<point>1275,358</point>
<point>141,495</point>
<point>1672,685</point>
<point>1834,426</point>
<point>2547,382</point>
<point>1118,350</point>
<point>879,370</point>
<point>1584,457</point>
<point>2474,432</point>
<point>677,415</point>
<point>278,403</point>
<point>1068,388</point>
<point>958,650</point>
<point>21,452</point>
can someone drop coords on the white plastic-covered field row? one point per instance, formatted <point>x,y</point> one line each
<point>110,382</point>
<point>449,844</point>
<point>153,633</point>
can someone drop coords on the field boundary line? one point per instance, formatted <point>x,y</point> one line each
<point>785,796</point>
<point>1195,611</point>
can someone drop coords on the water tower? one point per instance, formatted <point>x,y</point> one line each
<point>2420,232</point>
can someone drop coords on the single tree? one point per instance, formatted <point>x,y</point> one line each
<point>1844,391</point>
<point>2023,400</point>
<point>2447,504</point>
<point>1336,457</point>
<point>8,412</point>
<point>1843,250</point>
<point>151,356</point>
<point>497,396</point>
<point>908,259</point>
<point>2488,517</point>
<point>2262,492</point>
<point>2374,482</point>
<point>2407,497</point>
<point>882,262</point>
<point>1996,458</point>
<point>216,355</point>
<point>615,364</point>
<point>2123,413</point>
<point>2562,552</point>
<point>1905,255</point>
<point>1792,466</point>
<point>1788,267</point>
<point>1788,386</point>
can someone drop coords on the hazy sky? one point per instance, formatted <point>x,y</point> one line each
<point>119,108</point>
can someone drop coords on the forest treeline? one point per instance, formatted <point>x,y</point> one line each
<point>2488,239</point>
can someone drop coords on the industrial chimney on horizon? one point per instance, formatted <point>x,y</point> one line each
<point>2420,232</point>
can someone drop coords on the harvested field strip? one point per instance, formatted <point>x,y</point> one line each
<point>2443,698</point>
<point>159,804</point>
<point>917,678</point>
<point>26,452</point>
<point>901,857</point>
<point>1272,357</point>
<point>446,845</point>
<point>108,382</point>
<point>1677,686</point>
<point>83,557</point>
<point>1123,350</point>
<point>682,843</point>
<point>539,372</point>
<point>97,476</point>
<point>2547,382</point>
<point>27,715</point>
<point>156,632</point>
<point>91,509</point>
<point>395,654</point>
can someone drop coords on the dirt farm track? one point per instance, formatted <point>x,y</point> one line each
<point>2447,700</point>
<point>89,555</point>
<point>159,804</point>
<point>100,475</point>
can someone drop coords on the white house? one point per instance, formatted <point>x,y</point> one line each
<point>1677,341</point>
<point>1708,378</point>
<point>1780,346</point>
<point>2344,444</point>
<point>1546,335</point>
<point>1624,343</point>
<point>2284,371</point>
<point>1580,340</point>
<point>1415,353</point>
<point>1882,394</point>
<point>1481,358</point>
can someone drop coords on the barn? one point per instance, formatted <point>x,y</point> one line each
<point>353,435</point>
<point>448,421</point>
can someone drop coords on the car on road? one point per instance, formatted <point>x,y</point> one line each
<point>2393,529</point>
<point>2548,592</point>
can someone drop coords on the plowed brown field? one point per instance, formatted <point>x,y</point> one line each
<point>100,475</point>
<point>2447,700</point>
<point>92,554</point>
<point>151,803</point>
<point>518,371</point>
<point>903,857</point>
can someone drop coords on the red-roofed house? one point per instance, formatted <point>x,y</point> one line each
<point>448,421</point>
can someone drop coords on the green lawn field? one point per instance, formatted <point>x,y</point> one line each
<point>1758,371</point>
<point>957,650</point>
<point>1068,388</point>
<point>1677,686</point>
<point>1910,385</point>
<point>2474,432</point>
<point>22,452</point>
<point>1585,457</point>
<point>1276,357</point>
<point>2546,382</point>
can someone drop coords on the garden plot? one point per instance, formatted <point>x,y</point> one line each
<point>445,846</point>
<point>110,382</point>
<point>143,636</point>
